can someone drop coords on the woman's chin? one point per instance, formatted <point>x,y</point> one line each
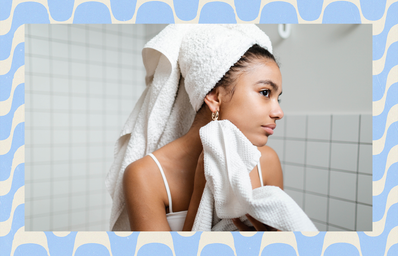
<point>260,142</point>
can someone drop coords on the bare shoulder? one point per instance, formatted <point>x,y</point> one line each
<point>145,202</point>
<point>142,176</point>
<point>271,168</point>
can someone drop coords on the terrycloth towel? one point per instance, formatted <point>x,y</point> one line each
<point>183,63</point>
<point>228,159</point>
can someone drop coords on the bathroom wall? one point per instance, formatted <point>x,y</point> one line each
<point>325,68</point>
<point>327,166</point>
<point>324,141</point>
<point>82,82</point>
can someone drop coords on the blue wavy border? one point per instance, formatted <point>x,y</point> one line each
<point>213,12</point>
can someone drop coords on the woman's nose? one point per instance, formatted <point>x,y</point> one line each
<point>277,111</point>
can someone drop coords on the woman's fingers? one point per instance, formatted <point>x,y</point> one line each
<point>256,224</point>
<point>260,226</point>
<point>241,226</point>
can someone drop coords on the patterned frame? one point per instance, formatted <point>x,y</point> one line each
<point>383,240</point>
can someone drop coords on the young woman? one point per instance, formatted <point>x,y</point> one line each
<point>162,191</point>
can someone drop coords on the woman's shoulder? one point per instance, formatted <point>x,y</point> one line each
<point>143,175</point>
<point>271,168</point>
<point>267,153</point>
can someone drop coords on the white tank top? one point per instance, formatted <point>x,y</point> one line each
<point>176,219</point>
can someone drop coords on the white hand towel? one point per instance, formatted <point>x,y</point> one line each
<point>228,159</point>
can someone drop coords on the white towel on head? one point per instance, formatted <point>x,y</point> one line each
<point>228,159</point>
<point>209,51</point>
<point>183,63</point>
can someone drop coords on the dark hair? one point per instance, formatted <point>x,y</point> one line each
<point>255,52</point>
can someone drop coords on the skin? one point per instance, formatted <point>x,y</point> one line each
<point>253,105</point>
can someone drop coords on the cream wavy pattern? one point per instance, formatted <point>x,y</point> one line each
<point>5,106</point>
<point>287,238</point>
<point>19,196</point>
<point>378,226</point>
<point>5,65</point>
<point>391,239</point>
<point>224,240</point>
<point>378,65</point>
<point>341,237</point>
<point>91,237</point>
<point>21,238</point>
<point>19,114</point>
<point>392,117</point>
<point>378,185</point>
<point>149,238</point>
<point>19,158</point>
<point>392,78</point>
<point>5,145</point>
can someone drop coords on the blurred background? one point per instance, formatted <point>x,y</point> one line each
<point>82,82</point>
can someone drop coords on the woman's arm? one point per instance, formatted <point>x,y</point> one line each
<point>271,168</point>
<point>198,188</point>
<point>144,200</point>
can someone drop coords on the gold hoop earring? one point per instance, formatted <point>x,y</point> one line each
<point>214,116</point>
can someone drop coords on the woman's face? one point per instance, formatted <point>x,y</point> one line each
<point>254,106</point>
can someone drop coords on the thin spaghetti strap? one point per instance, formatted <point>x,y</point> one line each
<point>260,174</point>
<point>164,180</point>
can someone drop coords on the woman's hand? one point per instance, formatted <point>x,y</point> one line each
<point>257,226</point>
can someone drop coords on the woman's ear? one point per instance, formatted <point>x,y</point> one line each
<point>212,100</point>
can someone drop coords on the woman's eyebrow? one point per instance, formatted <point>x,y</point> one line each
<point>269,82</point>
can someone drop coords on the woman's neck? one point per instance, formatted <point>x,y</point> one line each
<point>190,144</point>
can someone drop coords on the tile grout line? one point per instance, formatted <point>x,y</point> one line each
<point>357,172</point>
<point>50,49</point>
<point>70,129</point>
<point>329,172</point>
<point>87,118</point>
<point>305,161</point>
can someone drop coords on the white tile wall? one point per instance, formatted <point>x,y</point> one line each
<point>316,207</point>
<point>345,128</point>
<point>319,225</point>
<point>318,153</point>
<point>82,82</point>
<point>296,126</point>
<point>327,165</point>
<point>280,128</point>
<point>342,214</point>
<point>41,171</point>
<point>364,189</point>
<point>316,180</point>
<point>364,217</point>
<point>365,162</point>
<point>366,128</point>
<point>295,151</point>
<point>343,185</point>
<point>319,127</point>
<point>60,221</point>
<point>294,176</point>
<point>344,156</point>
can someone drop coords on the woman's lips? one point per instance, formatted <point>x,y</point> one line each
<point>269,129</point>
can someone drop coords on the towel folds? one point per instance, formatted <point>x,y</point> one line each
<point>228,159</point>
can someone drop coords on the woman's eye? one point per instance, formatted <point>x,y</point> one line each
<point>265,93</point>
